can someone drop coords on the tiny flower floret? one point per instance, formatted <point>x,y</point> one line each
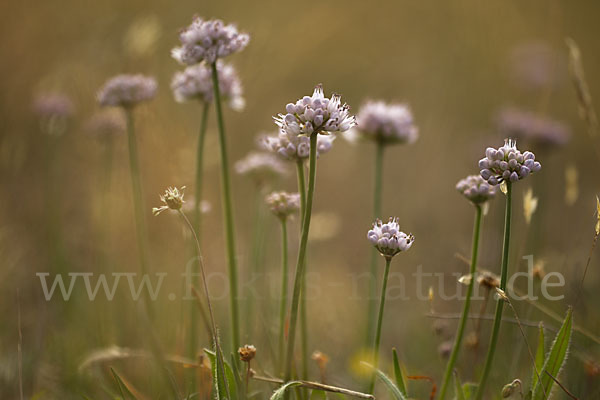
<point>386,123</point>
<point>195,83</point>
<point>476,189</point>
<point>388,239</point>
<point>207,40</point>
<point>127,90</point>
<point>507,163</point>
<point>316,114</point>
<point>172,199</point>
<point>283,204</point>
<point>295,147</point>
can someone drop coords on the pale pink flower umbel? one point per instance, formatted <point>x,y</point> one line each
<point>385,123</point>
<point>127,90</point>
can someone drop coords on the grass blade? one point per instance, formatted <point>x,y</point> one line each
<point>398,373</point>
<point>396,393</point>
<point>280,393</point>
<point>539,356</point>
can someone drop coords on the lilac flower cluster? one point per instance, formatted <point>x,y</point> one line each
<point>507,164</point>
<point>316,114</point>
<point>260,166</point>
<point>476,189</point>
<point>208,40</point>
<point>127,90</point>
<point>195,83</point>
<point>533,128</point>
<point>386,123</point>
<point>106,125</point>
<point>295,147</point>
<point>283,204</point>
<point>388,239</point>
<point>51,105</point>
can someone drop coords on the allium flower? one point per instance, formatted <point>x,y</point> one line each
<point>172,199</point>
<point>537,65</point>
<point>385,123</point>
<point>127,90</point>
<point>507,164</point>
<point>388,239</point>
<point>476,189</point>
<point>51,105</point>
<point>207,41</point>
<point>295,147</point>
<point>532,128</point>
<point>195,83</point>
<point>106,125</point>
<point>283,204</point>
<point>316,114</point>
<point>261,166</point>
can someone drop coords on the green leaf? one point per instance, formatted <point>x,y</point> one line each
<point>539,357</point>
<point>555,359</point>
<point>223,386</point>
<point>398,373</point>
<point>396,393</point>
<point>318,395</point>
<point>122,386</point>
<point>279,393</point>
<point>469,389</point>
<point>458,388</point>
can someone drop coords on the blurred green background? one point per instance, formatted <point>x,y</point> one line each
<point>453,62</point>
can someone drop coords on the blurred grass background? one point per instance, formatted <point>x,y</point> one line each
<point>451,61</point>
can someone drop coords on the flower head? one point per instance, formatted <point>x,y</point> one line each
<point>207,40</point>
<point>172,199</point>
<point>247,353</point>
<point>52,105</point>
<point>385,123</point>
<point>261,166</point>
<point>507,164</point>
<point>195,83</point>
<point>532,128</point>
<point>127,90</point>
<point>476,189</point>
<point>106,125</point>
<point>295,147</point>
<point>316,114</point>
<point>388,239</point>
<point>283,204</point>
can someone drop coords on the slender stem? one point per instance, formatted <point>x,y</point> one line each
<point>465,314</point>
<point>300,265</point>
<point>200,168</point>
<point>218,352</point>
<point>256,261</point>
<point>377,193</point>
<point>499,304</point>
<point>388,262</point>
<point>284,290</point>
<point>138,203</point>
<point>228,215</point>
<point>303,307</point>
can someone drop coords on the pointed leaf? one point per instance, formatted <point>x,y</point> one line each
<point>396,393</point>
<point>398,373</point>
<point>555,359</point>
<point>222,384</point>
<point>123,389</point>
<point>280,393</point>
<point>539,356</point>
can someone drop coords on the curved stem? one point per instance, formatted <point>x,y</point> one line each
<point>377,192</point>
<point>499,304</point>
<point>465,314</point>
<point>284,290</point>
<point>300,265</point>
<point>388,262</point>
<point>228,215</point>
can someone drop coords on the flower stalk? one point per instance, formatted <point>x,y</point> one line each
<point>284,290</point>
<point>228,215</point>
<point>465,313</point>
<point>500,304</point>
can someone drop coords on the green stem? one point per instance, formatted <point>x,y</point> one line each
<point>228,215</point>
<point>300,265</point>
<point>377,193</point>
<point>303,307</point>
<point>388,262</point>
<point>256,261</point>
<point>284,290</point>
<point>138,203</point>
<point>465,314</point>
<point>499,304</point>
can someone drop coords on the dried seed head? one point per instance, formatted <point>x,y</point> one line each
<point>488,280</point>
<point>283,204</point>
<point>127,90</point>
<point>476,189</point>
<point>247,353</point>
<point>507,164</point>
<point>388,239</point>
<point>173,200</point>
<point>316,114</point>
<point>539,271</point>
<point>320,358</point>
<point>208,40</point>
<point>385,123</point>
<point>511,388</point>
